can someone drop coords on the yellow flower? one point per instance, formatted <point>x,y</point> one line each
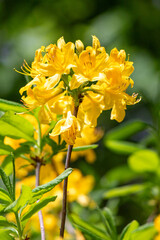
<point>92,106</point>
<point>54,59</point>
<point>90,65</point>
<point>157,237</point>
<point>69,128</point>
<point>40,90</point>
<point>157,223</point>
<point>88,136</point>
<point>114,86</point>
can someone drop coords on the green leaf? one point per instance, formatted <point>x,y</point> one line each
<point>110,219</point>
<point>7,165</point>
<point>146,232</point>
<point>38,191</point>
<point>144,161</point>
<point>11,231</point>
<point>23,199</point>
<point>6,181</point>
<point>86,147</point>
<point>21,150</point>
<point>36,207</point>
<point>6,105</point>
<point>4,233</point>
<point>5,149</point>
<point>127,231</point>
<point>123,191</point>
<point>15,126</point>
<point>120,174</point>
<point>125,130</point>
<point>123,147</point>
<point>4,197</point>
<point>5,223</point>
<point>88,229</point>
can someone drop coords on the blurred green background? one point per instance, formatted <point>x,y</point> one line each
<point>130,25</point>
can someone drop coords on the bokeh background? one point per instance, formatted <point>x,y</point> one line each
<point>131,25</point>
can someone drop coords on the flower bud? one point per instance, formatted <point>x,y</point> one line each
<point>79,46</point>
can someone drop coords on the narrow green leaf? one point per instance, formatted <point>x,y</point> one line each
<point>127,231</point>
<point>123,147</point>
<point>4,233</point>
<point>123,191</point>
<point>120,174</point>
<point>125,130</point>
<point>144,161</point>
<point>23,199</point>
<point>38,191</point>
<point>11,231</point>
<point>36,207</point>
<point>15,126</point>
<point>25,196</point>
<point>146,232</point>
<point>5,223</point>
<point>6,105</point>
<point>86,147</point>
<point>4,197</point>
<point>5,149</point>
<point>88,229</point>
<point>7,165</point>
<point>110,219</point>
<point>6,181</point>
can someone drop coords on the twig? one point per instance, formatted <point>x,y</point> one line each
<point>38,166</point>
<point>64,202</point>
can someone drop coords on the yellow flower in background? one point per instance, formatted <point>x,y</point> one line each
<point>69,128</point>
<point>157,226</point>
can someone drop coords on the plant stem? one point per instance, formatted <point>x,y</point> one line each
<point>64,202</point>
<point>38,166</point>
<point>18,225</point>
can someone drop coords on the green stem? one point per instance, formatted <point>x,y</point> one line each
<point>39,140</point>
<point>14,177</point>
<point>18,225</point>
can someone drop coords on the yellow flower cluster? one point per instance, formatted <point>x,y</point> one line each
<point>157,226</point>
<point>67,75</point>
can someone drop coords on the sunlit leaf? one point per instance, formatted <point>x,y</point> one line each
<point>6,105</point>
<point>5,234</point>
<point>123,191</point>
<point>4,196</point>
<point>86,147</point>
<point>123,147</point>
<point>15,126</point>
<point>127,231</point>
<point>120,174</point>
<point>125,130</point>
<point>36,207</point>
<point>38,191</point>
<point>144,161</point>
<point>23,199</point>
<point>146,232</point>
